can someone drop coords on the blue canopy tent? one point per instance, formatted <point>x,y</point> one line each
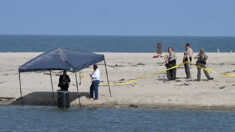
<point>62,59</point>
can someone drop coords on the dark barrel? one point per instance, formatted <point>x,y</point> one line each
<point>63,99</point>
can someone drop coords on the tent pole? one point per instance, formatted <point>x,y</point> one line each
<point>22,103</point>
<point>52,88</point>
<point>80,78</point>
<point>107,75</point>
<point>78,90</point>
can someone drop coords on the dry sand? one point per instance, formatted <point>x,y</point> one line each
<point>155,92</point>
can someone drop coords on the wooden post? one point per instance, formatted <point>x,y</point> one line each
<point>159,48</point>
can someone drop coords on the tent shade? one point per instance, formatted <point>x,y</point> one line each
<point>62,59</point>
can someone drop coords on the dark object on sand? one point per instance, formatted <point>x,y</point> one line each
<point>63,99</point>
<point>159,48</point>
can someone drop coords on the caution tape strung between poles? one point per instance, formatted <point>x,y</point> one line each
<point>141,78</point>
<point>156,73</point>
<point>206,69</point>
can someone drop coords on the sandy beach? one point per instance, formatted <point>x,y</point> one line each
<point>154,92</point>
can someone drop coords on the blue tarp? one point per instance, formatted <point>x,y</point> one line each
<point>62,59</point>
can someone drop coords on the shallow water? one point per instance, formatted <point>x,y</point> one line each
<point>45,119</point>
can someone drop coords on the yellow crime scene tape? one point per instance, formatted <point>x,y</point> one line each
<point>206,69</point>
<point>138,79</point>
<point>156,73</point>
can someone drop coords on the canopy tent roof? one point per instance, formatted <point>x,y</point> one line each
<point>62,59</point>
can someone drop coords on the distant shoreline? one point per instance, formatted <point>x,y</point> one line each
<point>113,104</point>
<point>119,52</point>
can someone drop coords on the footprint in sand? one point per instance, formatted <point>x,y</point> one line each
<point>184,84</point>
<point>222,87</point>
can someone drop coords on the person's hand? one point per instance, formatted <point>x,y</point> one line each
<point>171,59</point>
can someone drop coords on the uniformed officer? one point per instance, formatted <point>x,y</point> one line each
<point>188,54</point>
<point>170,61</point>
<point>201,62</point>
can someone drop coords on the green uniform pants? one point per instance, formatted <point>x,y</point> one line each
<point>187,70</point>
<point>199,72</point>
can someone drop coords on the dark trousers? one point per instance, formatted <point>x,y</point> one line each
<point>64,88</point>
<point>94,88</point>
<point>199,72</point>
<point>187,70</point>
<point>187,67</point>
<point>171,74</point>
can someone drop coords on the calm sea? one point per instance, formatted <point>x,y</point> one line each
<point>51,119</point>
<point>37,43</point>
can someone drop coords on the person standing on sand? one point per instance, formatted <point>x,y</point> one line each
<point>170,61</point>
<point>95,77</point>
<point>201,61</point>
<point>64,81</point>
<point>188,54</point>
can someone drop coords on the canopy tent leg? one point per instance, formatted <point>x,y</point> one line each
<point>80,78</point>
<point>107,75</point>
<point>22,103</point>
<point>52,88</point>
<point>78,90</point>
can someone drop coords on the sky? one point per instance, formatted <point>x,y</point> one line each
<point>118,17</point>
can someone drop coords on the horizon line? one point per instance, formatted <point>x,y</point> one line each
<point>119,35</point>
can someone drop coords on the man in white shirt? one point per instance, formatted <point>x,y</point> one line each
<point>95,77</point>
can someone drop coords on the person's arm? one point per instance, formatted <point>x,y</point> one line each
<point>196,57</point>
<point>166,59</point>
<point>185,55</point>
<point>68,78</point>
<point>94,75</point>
<point>60,79</point>
<point>206,58</point>
<point>190,53</point>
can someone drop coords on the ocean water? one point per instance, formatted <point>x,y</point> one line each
<point>40,43</point>
<point>52,119</point>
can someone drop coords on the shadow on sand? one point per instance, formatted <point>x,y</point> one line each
<point>46,98</point>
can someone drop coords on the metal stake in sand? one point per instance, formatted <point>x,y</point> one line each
<point>52,88</point>
<point>77,90</point>
<point>22,103</point>
<point>107,77</point>
<point>80,78</point>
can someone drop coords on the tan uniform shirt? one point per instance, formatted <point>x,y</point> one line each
<point>188,52</point>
